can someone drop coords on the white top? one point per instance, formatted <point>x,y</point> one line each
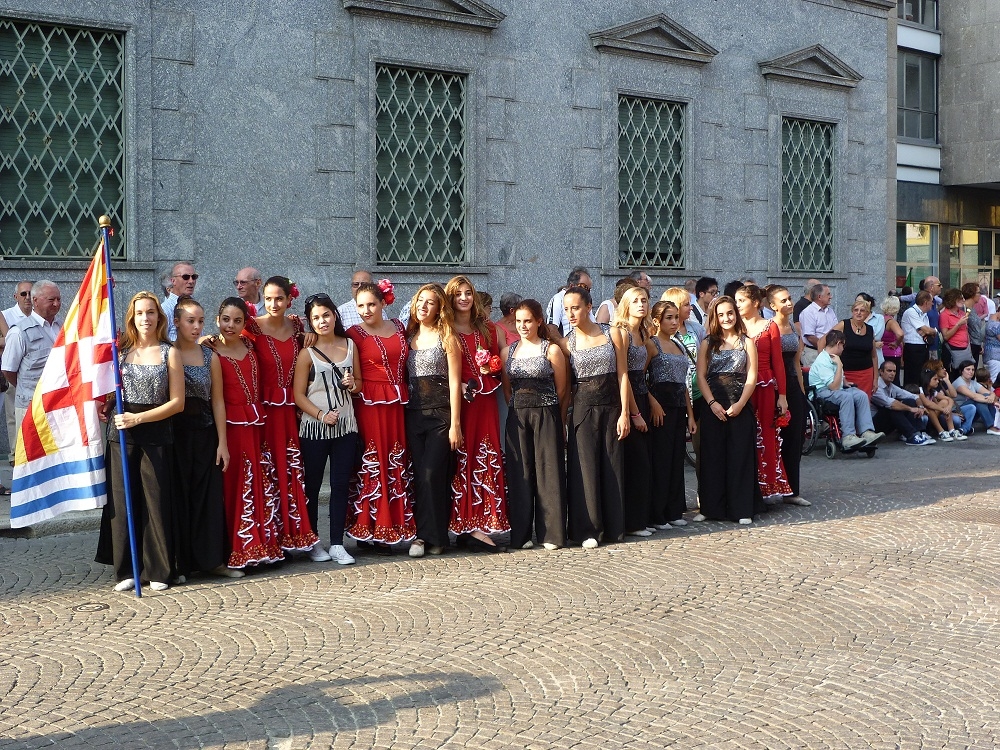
<point>610,304</point>
<point>14,351</point>
<point>12,315</point>
<point>169,304</point>
<point>816,321</point>
<point>913,319</point>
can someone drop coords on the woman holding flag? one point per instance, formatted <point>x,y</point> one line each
<point>153,390</point>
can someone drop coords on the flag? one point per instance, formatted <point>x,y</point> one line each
<point>59,460</point>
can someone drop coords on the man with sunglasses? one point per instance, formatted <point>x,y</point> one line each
<point>182,279</point>
<point>248,283</point>
<point>348,311</point>
<point>19,310</point>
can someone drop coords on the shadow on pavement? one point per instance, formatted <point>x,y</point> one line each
<point>295,711</point>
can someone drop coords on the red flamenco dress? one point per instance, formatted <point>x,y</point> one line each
<point>381,508</point>
<point>478,490</point>
<point>770,384</point>
<point>280,446</point>
<point>250,499</point>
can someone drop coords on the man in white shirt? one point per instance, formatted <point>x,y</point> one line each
<point>348,311</point>
<point>248,283</point>
<point>29,343</point>
<point>916,327</point>
<point>182,279</point>
<point>554,312</point>
<point>816,321</point>
<point>20,309</point>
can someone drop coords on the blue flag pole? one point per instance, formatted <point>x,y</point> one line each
<point>105,223</point>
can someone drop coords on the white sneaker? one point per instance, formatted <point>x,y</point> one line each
<point>640,532</point>
<point>416,548</point>
<point>746,521</point>
<point>851,442</point>
<point>126,585</point>
<point>699,518</point>
<point>550,546</point>
<point>318,554</point>
<point>679,522</point>
<point>590,543</point>
<point>927,438</point>
<point>871,437</point>
<point>663,526</point>
<point>340,555</point>
<point>158,586</point>
<point>959,435</point>
<point>528,544</point>
<point>945,436</point>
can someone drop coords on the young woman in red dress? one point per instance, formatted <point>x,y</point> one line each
<point>249,496</point>
<point>479,502</point>
<point>380,509</point>
<point>277,342</point>
<point>770,396</point>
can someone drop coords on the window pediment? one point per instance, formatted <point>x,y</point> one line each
<point>815,65</point>
<point>466,14</point>
<point>656,37</point>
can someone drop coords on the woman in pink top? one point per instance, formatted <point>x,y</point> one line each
<point>954,327</point>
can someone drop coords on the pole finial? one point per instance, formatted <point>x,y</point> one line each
<point>104,221</point>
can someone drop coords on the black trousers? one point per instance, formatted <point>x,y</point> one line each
<point>199,513</point>
<point>433,467</point>
<point>727,483</point>
<point>667,444</point>
<point>595,474</point>
<point>638,472</point>
<point>887,420</point>
<point>151,475</point>
<point>914,356</point>
<point>341,453</point>
<point>536,475</point>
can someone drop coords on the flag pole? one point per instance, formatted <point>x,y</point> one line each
<point>105,223</point>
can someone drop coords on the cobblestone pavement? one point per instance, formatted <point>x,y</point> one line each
<point>869,620</point>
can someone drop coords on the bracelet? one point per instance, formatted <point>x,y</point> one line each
<point>713,401</point>
<point>319,416</point>
<point>636,416</point>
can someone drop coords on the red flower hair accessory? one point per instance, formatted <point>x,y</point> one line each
<point>387,291</point>
<point>294,293</point>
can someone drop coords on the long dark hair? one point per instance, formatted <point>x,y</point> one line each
<point>715,332</point>
<point>323,300</point>
<point>535,308</point>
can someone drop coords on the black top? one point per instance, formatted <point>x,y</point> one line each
<point>857,349</point>
<point>801,305</point>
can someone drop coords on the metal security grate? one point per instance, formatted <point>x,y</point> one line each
<point>420,167</point>
<point>806,195</point>
<point>650,183</point>
<point>62,161</point>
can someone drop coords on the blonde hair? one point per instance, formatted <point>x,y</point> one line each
<point>479,319</point>
<point>444,309</point>
<point>622,314</point>
<point>890,305</point>
<point>130,334</point>
<point>676,294</point>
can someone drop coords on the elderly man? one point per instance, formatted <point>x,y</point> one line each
<point>554,313</point>
<point>18,311</point>
<point>248,283</point>
<point>182,282</point>
<point>29,343</point>
<point>816,321</point>
<point>896,408</point>
<point>348,311</point>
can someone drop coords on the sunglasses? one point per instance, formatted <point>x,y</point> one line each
<point>471,389</point>
<point>187,276</point>
<point>321,297</point>
<point>238,282</point>
<point>356,284</point>
<point>23,294</point>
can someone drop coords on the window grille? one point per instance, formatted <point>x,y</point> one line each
<point>806,195</point>
<point>62,158</point>
<point>420,167</point>
<point>650,183</point>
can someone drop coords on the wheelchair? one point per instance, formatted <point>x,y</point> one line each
<point>826,414</point>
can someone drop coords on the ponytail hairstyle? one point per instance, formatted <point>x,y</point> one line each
<point>535,308</point>
<point>186,302</point>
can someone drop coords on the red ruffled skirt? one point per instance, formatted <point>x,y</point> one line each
<point>380,508</point>
<point>282,464</point>
<point>251,512</point>
<point>770,466</point>
<point>478,490</point>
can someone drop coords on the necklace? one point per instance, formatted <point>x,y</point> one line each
<point>855,327</point>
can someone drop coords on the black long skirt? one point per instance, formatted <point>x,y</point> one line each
<point>536,475</point>
<point>199,510</point>
<point>595,474</point>
<point>727,483</point>
<point>151,474</point>
<point>638,471</point>
<point>792,436</point>
<point>433,468</point>
<point>668,444</point>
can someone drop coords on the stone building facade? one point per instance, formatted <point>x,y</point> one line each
<point>421,138</point>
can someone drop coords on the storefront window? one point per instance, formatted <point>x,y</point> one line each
<point>916,253</point>
<point>971,257</point>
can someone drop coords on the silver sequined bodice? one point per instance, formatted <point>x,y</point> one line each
<point>598,360</point>
<point>427,372</point>
<point>146,384</point>
<point>532,379</point>
<point>668,368</point>
<point>789,342</point>
<point>427,363</point>
<point>637,355</point>
<point>728,361</point>
<point>198,378</point>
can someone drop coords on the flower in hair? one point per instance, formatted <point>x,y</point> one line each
<point>294,293</point>
<point>387,291</point>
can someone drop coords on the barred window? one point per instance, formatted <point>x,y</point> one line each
<point>420,167</point>
<point>650,183</point>
<point>62,160</point>
<point>806,195</point>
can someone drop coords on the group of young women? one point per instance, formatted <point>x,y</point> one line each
<point>228,436</point>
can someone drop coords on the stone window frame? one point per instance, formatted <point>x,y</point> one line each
<point>136,128</point>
